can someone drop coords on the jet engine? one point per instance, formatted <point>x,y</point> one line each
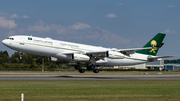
<point>114,55</point>
<point>53,59</point>
<point>80,57</point>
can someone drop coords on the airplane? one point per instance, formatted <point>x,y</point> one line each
<point>91,56</point>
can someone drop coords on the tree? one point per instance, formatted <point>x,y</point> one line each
<point>4,57</point>
<point>15,58</point>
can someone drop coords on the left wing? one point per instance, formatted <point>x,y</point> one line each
<point>104,53</point>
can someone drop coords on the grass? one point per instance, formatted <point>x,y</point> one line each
<point>90,90</point>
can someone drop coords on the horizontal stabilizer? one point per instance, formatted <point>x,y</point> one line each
<point>155,58</point>
<point>132,50</point>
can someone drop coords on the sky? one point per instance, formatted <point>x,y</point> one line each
<point>117,24</point>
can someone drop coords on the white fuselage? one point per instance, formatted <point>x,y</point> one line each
<point>55,48</point>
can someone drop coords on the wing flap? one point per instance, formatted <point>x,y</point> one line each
<point>95,52</point>
<point>69,53</point>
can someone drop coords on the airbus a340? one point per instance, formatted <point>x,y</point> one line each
<point>92,56</point>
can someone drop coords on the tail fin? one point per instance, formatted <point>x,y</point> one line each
<point>156,41</point>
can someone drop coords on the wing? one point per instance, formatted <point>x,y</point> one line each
<point>89,53</point>
<point>128,51</point>
<point>104,53</point>
<point>97,55</point>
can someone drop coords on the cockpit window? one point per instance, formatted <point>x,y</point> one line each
<point>29,38</point>
<point>11,38</point>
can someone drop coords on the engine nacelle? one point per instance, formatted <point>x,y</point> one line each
<point>80,57</point>
<point>75,56</point>
<point>114,55</point>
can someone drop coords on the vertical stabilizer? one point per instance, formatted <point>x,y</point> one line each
<point>156,41</point>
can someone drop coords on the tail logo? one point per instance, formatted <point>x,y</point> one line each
<point>153,43</point>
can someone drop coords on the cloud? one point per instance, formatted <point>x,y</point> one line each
<point>59,29</point>
<point>81,32</point>
<point>3,14</point>
<point>14,16</point>
<point>21,30</point>
<point>4,23</point>
<point>11,33</point>
<point>170,6</point>
<point>111,15</point>
<point>40,27</point>
<point>25,17</point>
<point>79,26</point>
<point>120,4</point>
<point>96,36</point>
<point>112,37</point>
<point>167,31</point>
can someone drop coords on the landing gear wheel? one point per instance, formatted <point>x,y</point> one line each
<point>76,67</point>
<point>81,70</point>
<point>96,70</point>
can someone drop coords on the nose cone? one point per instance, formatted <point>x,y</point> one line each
<point>4,42</point>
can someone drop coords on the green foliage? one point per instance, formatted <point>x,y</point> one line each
<point>172,61</point>
<point>3,65</point>
<point>4,57</point>
<point>33,64</point>
<point>22,61</point>
<point>52,65</point>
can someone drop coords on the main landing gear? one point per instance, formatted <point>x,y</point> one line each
<point>96,70</point>
<point>82,70</point>
<point>93,67</point>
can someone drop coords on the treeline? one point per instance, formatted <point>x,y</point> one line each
<point>24,61</point>
<point>172,61</point>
